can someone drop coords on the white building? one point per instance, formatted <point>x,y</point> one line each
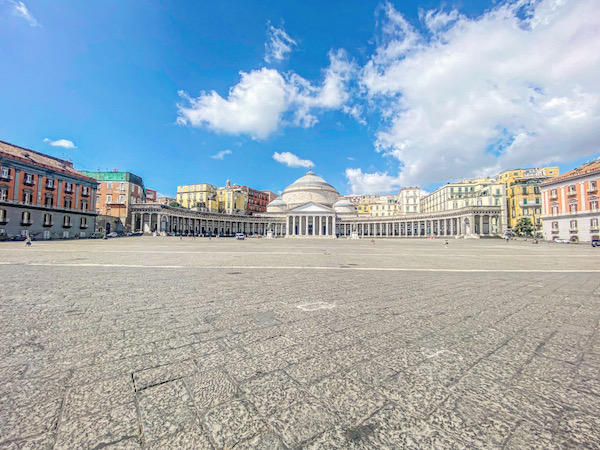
<point>409,200</point>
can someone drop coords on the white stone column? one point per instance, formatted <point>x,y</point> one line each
<point>327,226</point>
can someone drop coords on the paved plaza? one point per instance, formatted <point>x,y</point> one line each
<point>165,343</point>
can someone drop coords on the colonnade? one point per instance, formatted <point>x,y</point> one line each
<point>310,225</point>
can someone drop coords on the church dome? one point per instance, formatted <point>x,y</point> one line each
<point>277,205</point>
<point>343,206</point>
<point>310,188</point>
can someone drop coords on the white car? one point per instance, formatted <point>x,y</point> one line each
<point>562,241</point>
<point>239,236</point>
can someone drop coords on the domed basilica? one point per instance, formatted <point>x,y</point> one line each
<point>309,207</point>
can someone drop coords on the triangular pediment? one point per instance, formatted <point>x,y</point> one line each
<point>311,208</point>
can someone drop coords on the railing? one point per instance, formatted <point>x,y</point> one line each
<point>553,196</point>
<point>26,223</point>
<point>554,230</point>
<point>592,189</point>
<point>50,186</point>
<point>571,193</point>
<point>573,230</point>
<point>48,224</point>
<point>5,178</point>
<point>4,221</point>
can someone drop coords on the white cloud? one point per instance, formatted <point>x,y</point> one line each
<point>64,143</point>
<point>279,44</point>
<point>265,100</point>
<point>515,86</point>
<point>221,154</point>
<point>371,183</point>
<point>291,160</point>
<point>350,158</point>
<point>20,10</point>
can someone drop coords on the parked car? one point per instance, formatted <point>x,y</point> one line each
<point>595,242</point>
<point>562,241</point>
<point>240,236</point>
<point>112,234</point>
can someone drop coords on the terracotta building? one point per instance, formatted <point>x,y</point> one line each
<point>117,191</point>
<point>257,200</point>
<point>43,197</point>
<point>571,204</point>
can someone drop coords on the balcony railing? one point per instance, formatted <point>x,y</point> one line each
<point>29,181</point>
<point>553,196</point>
<point>47,224</point>
<point>592,189</point>
<point>26,223</point>
<point>594,228</point>
<point>573,230</point>
<point>50,186</point>
<point>5,177</point>
<point>571,193</point>
<point>67,225</point>
<point>85,193</point>
<point>4,221</point>
<point>554,230</point>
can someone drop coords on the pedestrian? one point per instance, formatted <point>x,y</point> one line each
<point>446,243</point>
<point>27,241</point>
<point>372,240</point>
<point>507,239</point>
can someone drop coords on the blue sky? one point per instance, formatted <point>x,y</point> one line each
<point>373,95</point>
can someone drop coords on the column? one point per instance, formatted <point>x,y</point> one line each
<point>326,226</point>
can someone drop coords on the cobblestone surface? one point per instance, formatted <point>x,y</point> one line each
<point>168,343</point>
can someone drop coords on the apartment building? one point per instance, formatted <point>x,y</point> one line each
<point>44,197</point>
<point>570,204</point>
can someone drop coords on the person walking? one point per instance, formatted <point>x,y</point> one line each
<point>446,243</point>
<point>27,241</point>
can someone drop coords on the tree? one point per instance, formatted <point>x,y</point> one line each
<point>175,205</point>
<point>524,226</point>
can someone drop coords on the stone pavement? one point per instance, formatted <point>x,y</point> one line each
<point>167,343</point>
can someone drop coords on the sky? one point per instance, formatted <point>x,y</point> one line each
<point>371,95</point>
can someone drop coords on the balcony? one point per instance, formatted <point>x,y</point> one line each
<point>67,225</point>
<point>85,225</point>
<point>85,193</point>
<point>28,181</point>
<point>594,228</point>
<point>5,177</point>
<point>47,224</point>
<point>553,197</point>
<point>555,231</point>
<point>4,221</point>
<point>50,186</point>
<point>573,230</point>
<point>26,223</point>
<point>592,189</point>
<point>571,193</point>
<point>68,190</point>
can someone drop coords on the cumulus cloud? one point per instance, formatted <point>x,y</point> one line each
<point>221,154</point>
<point>265,100</point>
<point>515,86</point>
<point>64,143</point>
<point>291,160</point>
<point>371,183</point>
<point>279,44</point>
<point>20,10</point>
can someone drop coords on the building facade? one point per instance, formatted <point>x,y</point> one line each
<point>257,200</point>
<point>467,193</point>
<point>571,204</point>
<point>523,193</point>
<point>409,200</point>
<point>44,197</point>
<point>117,191</point>
<point>203,196</point>
<point>151,196</point>
<point>233,199</point>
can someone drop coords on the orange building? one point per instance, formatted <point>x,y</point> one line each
<point>43,197</point>
<point>571,204</point>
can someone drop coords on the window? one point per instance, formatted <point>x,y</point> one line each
<point>594,205</point>
<point>573,225</point>
<point>109,198</point>
<point>3,216</point>
<point>97,199</point>
<point>5,173</point>
<point>594,223</point>
<point>83,222</point>
<point>524,201</point>
<point>67,221</point>
<point>25,218</point>
<point>27,196</point>
<point>49,183</point>
<point>122,187</point>
<point>85,191</point>
<point>572,190</point>
<point>554,210</point>
<point>109,185</point>
<point>592,187</point>
<point>524,190</point>
<point>47,220</point>
<point>46,234</point>
<point>573,207</point>
<point>49,200</point>
<point>555,225</point>
<point>553,193</point>
<point>68,187</point>
<point>3,195</point>
<point>536,189</point>
<point>121,199</point>
<point>84,205</point>
<point>28,179</point>
<point>538,210</point>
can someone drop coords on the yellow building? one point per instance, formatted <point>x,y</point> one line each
<point>203,196</point>
<point>232,199</point>
<point>523,198</point>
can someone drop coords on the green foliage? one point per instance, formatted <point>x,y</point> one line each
<point>175,205</point>
<point>524,226</point>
